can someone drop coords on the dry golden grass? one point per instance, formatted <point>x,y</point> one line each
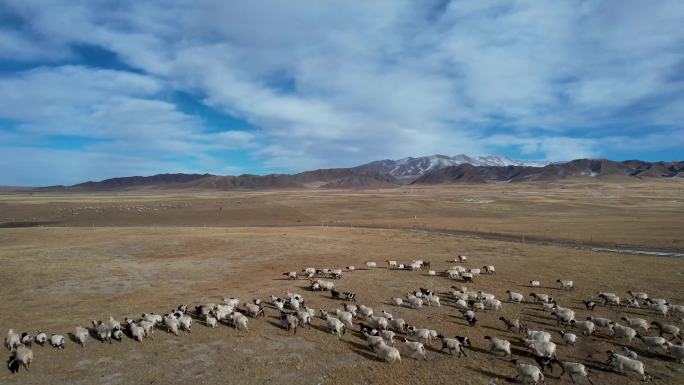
<point>57,278</point>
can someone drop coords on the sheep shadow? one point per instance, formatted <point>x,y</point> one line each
<point>487,373</point>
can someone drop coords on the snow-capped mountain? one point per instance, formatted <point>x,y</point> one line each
<point>407,169</point>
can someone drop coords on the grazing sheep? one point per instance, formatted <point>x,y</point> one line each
<point>528,373</point>
<point>415,348</point>
<point>636,323</point>
<point>535,283</point>
<point>371,265</point>
<point>513,324</point>
<point>81,335</point>
<point>388,353</point>
<point>573,368</point>
<point>433,300</point>
<point>499,345</point>
<point>456,344</point>
<point>622,332</point>
<point>387,315</point>
<point>566,284</point>
<point>41,338</point>
<point>22,356</point>
<point>667,329</point>
<point>290,321</point>
<point>57,341</point>
<point>461,304</point>
<point>620,364</point>
<point>586,327</point>
<point>568,338</point>
<point>254,311</point>
<point>515,297</point>
<point>12,340</point>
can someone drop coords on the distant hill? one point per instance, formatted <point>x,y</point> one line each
<point>436,169</point>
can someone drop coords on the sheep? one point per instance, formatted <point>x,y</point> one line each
<point>81,334</point>
<point>422,335</point>
<point>620,363</point>
<point>467,277</point>
<point>493,304</point>
<point>600,321</point>
<point>610,299</point>
<point>489,269</point>
<point>481,295</point>
<point>621,332</point>
<point>451,273</point>
<point>513,324</point>
<point>431,273</point>
<point>461,304</point>
<point>590,305</point>
<point>630,353</point>
<point>172,324</point>
<point>41,338</point>
<point>57,341</point>
<point>535,284</point>
<point>388,336</point>
<point>102,331</point>
<point>12,340</point>
<point>254,311</point>
<point>238,320</point>
<point>279,303</point>
<point>22,356</point>
<point>26,339</point>
<point>415,302</point>
<point>514,297</point>
<point>346,318</point>
<point>474,271</point>
<point>676,310</point>
<point>641,296</point>
<point>347,307</point>
<point>365,311</point>
<point>538,335</point>
<point>397,324</point>
<point>335,326</point>
<point>373,341</point>
<point>461,259</point>
<point>499,345</point>
<point>391,264</point>
<point>290,321</point>
<point>113,324</point>
<point>156,319</point>
<point>667,329</point>
<point>291,274</point>
<point>652,342</point>
<point>586,327</point>
<point>325,285</point>
<point>548,306</point>
<point>659,308</point>
<point>470,317</point>
<point>117,335</point>
<point>568,338</point>
<point>636,323</point>
<point>456,344</point>
<point>210,321</point>
<point>566,284</point>
<point>543,348</point>
<point>137,331</point>
<point>677,351</point>
<point>433,300</point>
<point>540,298</point>
<point>232,302</point>
<point>380,323</point>
<point>632,303</point>
<point>660,301</point>
<point>415,348</point>
<point>528,373</point>
<point>371,265</point>
<point>573,368</point>
<point>388,353</point>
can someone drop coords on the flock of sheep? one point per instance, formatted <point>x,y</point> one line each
<point>381,330</point>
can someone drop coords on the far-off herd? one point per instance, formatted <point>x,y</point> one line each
<point>380,330</point>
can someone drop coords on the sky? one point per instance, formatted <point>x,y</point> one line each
<point>97,89</point>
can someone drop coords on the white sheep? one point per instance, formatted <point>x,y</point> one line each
<point>661,309</point>
<point>515,297</point>
<point>346,318</point>
<point>568,338</point>
<point>365,311</point>
<point>499,345</point>
<point>453,344</point>
<point>117,334</point>
<point>528,373</point>
<point>148,326</point>
<point>461,259</point>
<point>57,341</point>
<point>304,317</point>
<point>636,323</point>
<point>102,331</point>
<point>347,307</point>
<point>600,321</point>
<point>137,332</point>
<point>12,340</point>
<point>41,338</point>
<point>489,269</point>
<point>461,304</point>
<point>388,336</point>
<point>641,296</point>
<point>538,335</point>
<point>652,342</point>
<point>667,329</point>
<point>422,335</point>
<point>391,264</point>
<point>574,368</point>
<point>172,324</point>
<point>535,283</point>
<point>113,324</point>
<point>621,332</point>
<point>238,320</point>
<point>253,310</point>
<point>389,353</point>
<point>586,327</point>
<point>371,265</point>
<point>677,351</point>
<point>415,302</point>
<point>566,284</point>
<point>397,324</point>
<point>22,356</point>
<point>415,348</point>
<point>81,335</point>
<point>335,326</point>
<point>432,273</point>
<point>543,348</point>
<point>676,310</point>
<point>373,341</point>
<point>26,339</point>
<point>620,364</point>
<point>433,299</point>
<point>232,302</point>
<point>380,323</point>
<point>493,304</point>
<point>210,321</point>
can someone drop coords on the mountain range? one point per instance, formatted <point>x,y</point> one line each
<point>427,170</point>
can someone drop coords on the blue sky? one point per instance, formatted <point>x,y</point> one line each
<point>96,89</point>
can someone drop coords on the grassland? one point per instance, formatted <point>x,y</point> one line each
<point>127,253</point>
